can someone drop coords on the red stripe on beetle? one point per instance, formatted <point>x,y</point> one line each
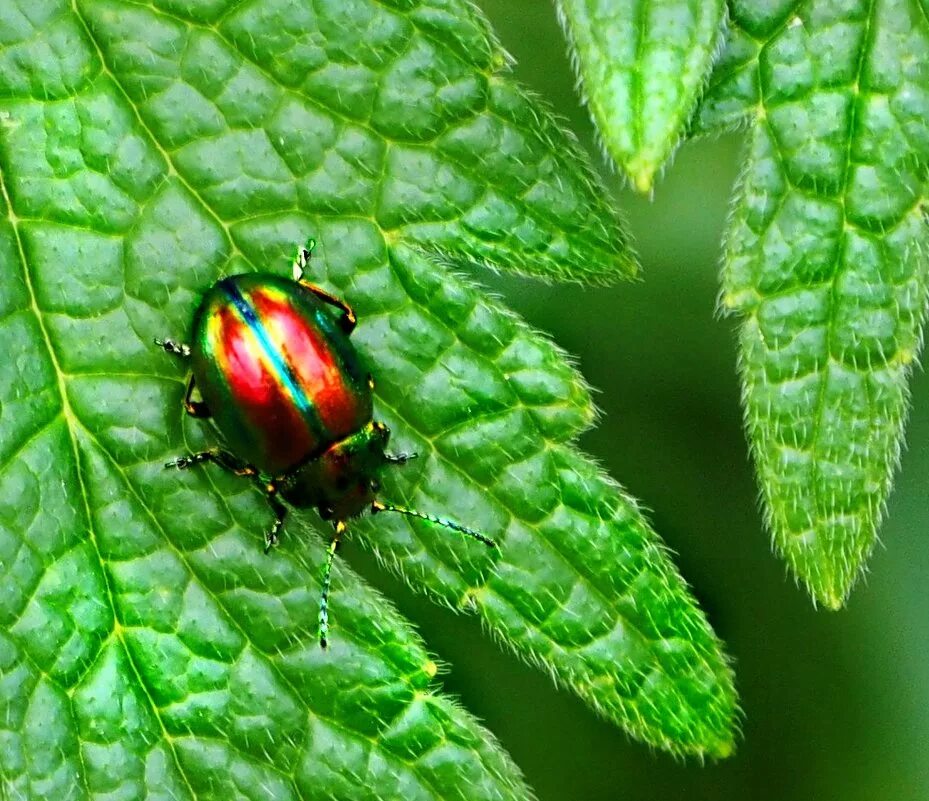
<point>283,435</point>
<point>312,360</point>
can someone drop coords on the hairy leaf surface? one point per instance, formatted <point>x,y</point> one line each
<point>147,646</point>
<point>826,261</point>
<point>641,66</point>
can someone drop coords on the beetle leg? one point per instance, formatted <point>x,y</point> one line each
<point>347,320</point>
<point>301,262</point>
<point>192,407</point>
<point>174,348</point>
<point>302,258</point>
<point>399,458</point>
<point>219,457</point>
<point>327,578</point>
<point>229,462</point>
<point>280,514</point>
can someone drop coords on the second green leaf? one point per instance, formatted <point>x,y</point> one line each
<point>642,65</point>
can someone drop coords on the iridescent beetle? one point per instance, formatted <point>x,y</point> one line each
<point>277,372</point>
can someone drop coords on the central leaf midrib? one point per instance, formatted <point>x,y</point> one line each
<point>636,80</point>
<point>841,194</point>
<point>818,424</point>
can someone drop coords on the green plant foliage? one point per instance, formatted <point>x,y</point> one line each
<point>147,647</point>
<point>825,261</point>
<point>642,65</point>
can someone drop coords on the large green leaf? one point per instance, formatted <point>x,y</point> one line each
<point>642,65</point>
<point>826,260</point>
<point>147,646</point>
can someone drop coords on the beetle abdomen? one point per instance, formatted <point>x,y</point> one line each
<point>281,378</point>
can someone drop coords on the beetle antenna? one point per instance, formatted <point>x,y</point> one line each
<point>327,579</point>
<point>378,506</point>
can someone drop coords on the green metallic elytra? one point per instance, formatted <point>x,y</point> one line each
<point>278,374</point>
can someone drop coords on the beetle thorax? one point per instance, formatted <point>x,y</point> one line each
<point>341,482</point>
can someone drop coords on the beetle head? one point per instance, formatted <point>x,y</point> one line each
<point>342,481</point>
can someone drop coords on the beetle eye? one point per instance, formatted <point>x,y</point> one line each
<point>375,485</point>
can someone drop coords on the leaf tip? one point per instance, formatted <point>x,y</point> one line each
<point>833,603</point>
<point>832,595</point>
<point>723,749</point>
<point>829,582</point>
<point>728,302</point>
<point>642,175</point>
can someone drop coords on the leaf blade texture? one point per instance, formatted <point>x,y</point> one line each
<point>825,262</point>
<point>642,66</point>
<point>144,152</point>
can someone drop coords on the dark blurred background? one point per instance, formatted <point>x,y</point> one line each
<point>836,704</point>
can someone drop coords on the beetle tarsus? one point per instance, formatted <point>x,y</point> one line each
<point>302,259</point>
<point>280,513</point>
<point>271,538</point>
<point>400,458</point>
<point>174,348</point>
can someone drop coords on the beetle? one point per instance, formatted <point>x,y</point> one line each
<point>273,363</point>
